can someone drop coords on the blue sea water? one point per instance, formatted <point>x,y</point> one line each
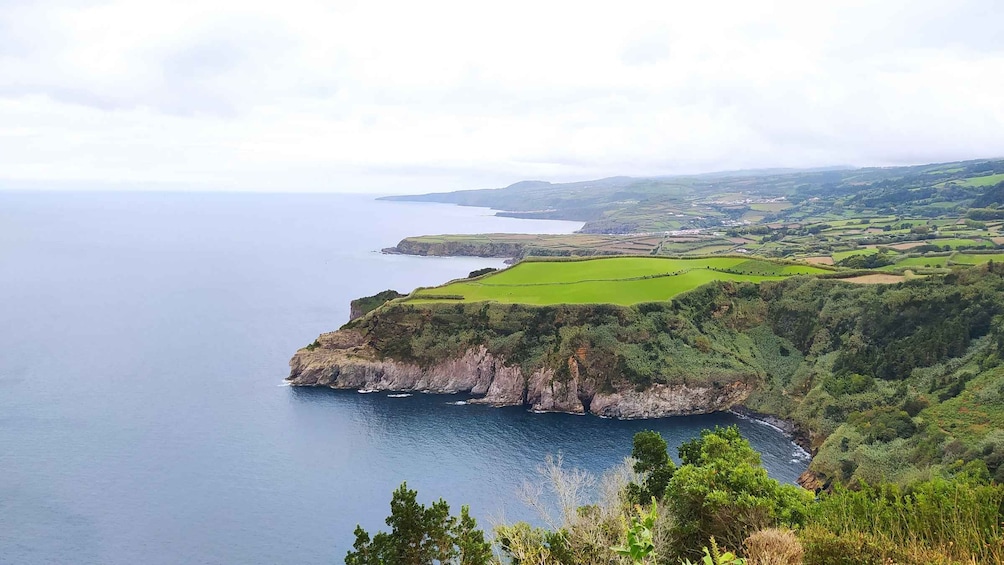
<point>143,341</point>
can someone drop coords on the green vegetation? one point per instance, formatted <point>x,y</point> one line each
<point>988,180</point>
<point>564,245</point>
<point>652,460</point>
<point>481,272</point>
<point>621,280</point>
<point>639,547</point>
<point>841,255</point>
<point>892,381</point>
<point>934,261</point>
<point>790,214</point>
<point>721,491</point>
<point>363,306</point>
<point>898,388</point>
<point>622,205</point>
<point>719,508</point>
<point>421,535</point>
<point>974,259</point>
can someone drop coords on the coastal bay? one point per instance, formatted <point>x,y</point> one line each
<point>146,338</point>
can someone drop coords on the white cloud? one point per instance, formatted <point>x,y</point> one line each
<point>408,96</point>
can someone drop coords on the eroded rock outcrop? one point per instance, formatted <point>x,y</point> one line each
<point>344,360</point>
<point>669,400</point>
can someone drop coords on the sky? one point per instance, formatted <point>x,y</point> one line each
<point>411,96</point>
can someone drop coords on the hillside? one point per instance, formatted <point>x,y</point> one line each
<point>892,381</point>
<point>643,205</point>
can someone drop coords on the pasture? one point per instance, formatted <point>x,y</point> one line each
<point>619,280</point>
<point>987,180</point>
<point>917,262</point>
<point>841,255</point>
<point>976,258</point>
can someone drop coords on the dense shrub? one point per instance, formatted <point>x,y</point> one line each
<point>824,547</point>
<point>773,546</point>
<point>722,491</point>
<point>961,519</point>
<point>720,495</point>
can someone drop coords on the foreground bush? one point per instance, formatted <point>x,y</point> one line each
<point>959,519</point>
<point>823,547</point>
<point>773,547</point>
<point>721,491</point>
<point>720,494</point>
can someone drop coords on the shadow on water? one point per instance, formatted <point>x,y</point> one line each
<point>482,455</point>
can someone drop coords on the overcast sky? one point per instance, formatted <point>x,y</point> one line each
<point>423,95</point>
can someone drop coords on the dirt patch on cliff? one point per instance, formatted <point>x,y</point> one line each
<point>875,279</point>
<point>907,245</point>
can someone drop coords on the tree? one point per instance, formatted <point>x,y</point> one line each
<point>652,460</point>
<point>722,491</point>
<point>421,535</point>
<point>479,272</point>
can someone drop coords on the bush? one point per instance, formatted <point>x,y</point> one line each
<point>959,518</point>
<point>721,491</point>
<point>773,547</point>
<point>823,547</point>
<point>480,272</point>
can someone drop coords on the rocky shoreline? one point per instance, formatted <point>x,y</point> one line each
<point>343,360</point>
<point>795,432</point>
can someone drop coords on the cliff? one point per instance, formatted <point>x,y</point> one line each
<point>362,306</point>
<point>345,360</point>
<point>461,248</point>
<point>524,245</point>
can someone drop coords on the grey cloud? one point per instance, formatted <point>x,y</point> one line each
<point>66,95</point>
<point>877,85</point>
<point>205,59</point>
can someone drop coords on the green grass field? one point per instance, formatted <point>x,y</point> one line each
<point>770,206</point>
<point>620,280</point>
<point>955,242</point>
<point>988,180</point>
<point>841,255</point>
<point>919,262</point>
<point>976,258</point>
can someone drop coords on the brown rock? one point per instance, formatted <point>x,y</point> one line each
<point>810,481</point>
<point>662,400</point>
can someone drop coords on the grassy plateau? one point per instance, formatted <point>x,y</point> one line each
<point>618,280</point>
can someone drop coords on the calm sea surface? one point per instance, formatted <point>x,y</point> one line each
<point>143,341</point>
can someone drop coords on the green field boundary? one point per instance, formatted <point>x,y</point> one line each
<point>676,257</point>
<point>624,279</point>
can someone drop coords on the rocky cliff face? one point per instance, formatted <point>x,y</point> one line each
<point>343,360</point>
<point>409,246</point>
